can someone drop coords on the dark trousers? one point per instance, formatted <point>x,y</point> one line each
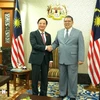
<point>40,70</point>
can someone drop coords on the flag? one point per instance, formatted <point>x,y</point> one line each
<point>94,48</point>
<point>17,50</point>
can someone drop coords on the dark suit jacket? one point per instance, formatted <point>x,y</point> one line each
<point>38,48</point>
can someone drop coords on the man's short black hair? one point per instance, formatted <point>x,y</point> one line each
<point>68,16</point>
<point>42,19</point>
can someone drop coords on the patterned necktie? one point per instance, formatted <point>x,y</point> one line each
<point>42,34</point>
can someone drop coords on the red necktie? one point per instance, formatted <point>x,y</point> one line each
<point>42,34</point>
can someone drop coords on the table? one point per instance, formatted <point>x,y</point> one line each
<point>5,80</point>
<point>35,97</point>
<point>23,72</point>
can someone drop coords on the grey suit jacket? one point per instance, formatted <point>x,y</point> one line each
<point>72,50</point>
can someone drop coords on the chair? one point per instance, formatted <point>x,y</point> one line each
<point>3,69</point>
<point>53,74</point>
<point>6,65</point>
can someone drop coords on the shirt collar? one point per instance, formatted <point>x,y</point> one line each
<point>69,30</point>
<point>42,32</point>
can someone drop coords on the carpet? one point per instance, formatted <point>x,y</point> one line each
<point>53,91</point>
<point>82,94</point>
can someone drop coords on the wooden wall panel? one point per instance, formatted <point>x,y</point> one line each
<point>7,3</point>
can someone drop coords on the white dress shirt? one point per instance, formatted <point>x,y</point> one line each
<point>69,30</point>
<point>43,35</point>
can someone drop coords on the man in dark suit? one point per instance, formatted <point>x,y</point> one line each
<point>40,58</point>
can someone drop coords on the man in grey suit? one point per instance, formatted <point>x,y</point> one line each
<point>70,45</point>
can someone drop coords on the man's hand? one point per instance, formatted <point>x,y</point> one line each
<point>49,48</point>
<point>80,62</point>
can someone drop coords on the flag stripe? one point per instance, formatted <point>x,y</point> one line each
<point>21,53</point>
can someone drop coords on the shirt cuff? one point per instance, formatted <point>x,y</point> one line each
<point>50,61</point>
<point>45,47</point>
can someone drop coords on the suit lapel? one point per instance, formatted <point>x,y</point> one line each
<point>71,34</point>
<point>39,36</point>
<point>47,37</point>
<point>61,35</point>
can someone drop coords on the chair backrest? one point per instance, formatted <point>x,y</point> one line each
<point>53,74</point>
<point>55,58</point>
<point>6,56</point>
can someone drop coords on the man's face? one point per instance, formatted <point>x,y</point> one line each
<point>42,25</point>
<point>68,23</point>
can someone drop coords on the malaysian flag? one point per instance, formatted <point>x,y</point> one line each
<point>94,48</point>
<point>17,50</point>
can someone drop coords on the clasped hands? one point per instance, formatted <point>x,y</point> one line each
<point>49,48</point>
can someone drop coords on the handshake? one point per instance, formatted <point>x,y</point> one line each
<point>49,48</point>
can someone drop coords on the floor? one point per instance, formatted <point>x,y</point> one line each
<point>12,93</point>
<point>83,94</point>
<point>53,91</point>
